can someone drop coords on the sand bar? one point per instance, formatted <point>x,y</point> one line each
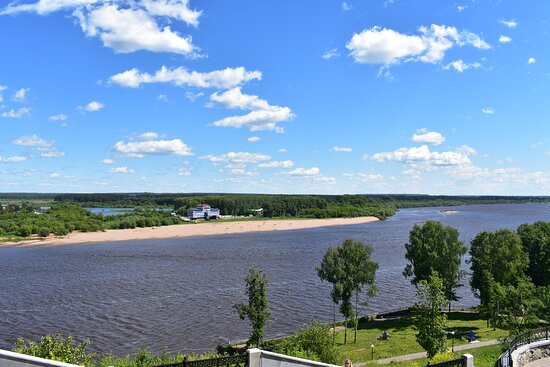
<point>189,230</point>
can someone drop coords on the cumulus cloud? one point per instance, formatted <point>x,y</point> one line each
<point>124,29</point>
<point>2,88</point>
<point>223,79</point>
<point>36,143</point>
<point>32,141</point>
<point>508,23</point>
<point>263,116</point>
<point>59,175</point>
<point>150,135</point>
<point>461,66</point>
<point>237,157</point>
<point>488,110</point>
<point>466,150</point>
<point>531,60</point>
<point>17,113</point>
<point>340,149</point>
<point>365,177</point>
<point>253,139</point>
<point>20,95</point>
<point>277,164</point>
<point>94,106</point>
<point>421,154</point>
<point>385,46</point>
<point>461,8</point>
<point>313,173</point>
<point>153,147</point>
<point>329,54</point>
<point>428,137</point>
<point>59,117</point>
<point>185,170</point>
<point>108,161</point>
<point>504,39</point>
<point>121,170</point>
<point>12,159</point>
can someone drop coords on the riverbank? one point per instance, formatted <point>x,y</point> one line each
<point>190,230</point>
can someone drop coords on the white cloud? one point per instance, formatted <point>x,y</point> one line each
<point>461,66</point>
<point>237,157</point>
<point>224,79</point>
<point>508,23</point>
<point>108,161</point>
<point>365,177</point>
<point>421,154</point>
<point>488,111</point>
<point>53,153</point>
<point>33,141</point>
<point>346,6</point>
<point>59,175</point>
<point>127,30</point>
<point>12,159</point>
<point>461,8</point>
<point>262,117</point>
<point>162,97</point>
<point>94,106</point>
<point>333,52</point>
<point>385,46</point>
<point>428,137</point>
<point>150,135</point>
<point>185,170</point>
<point>44,7</point>
<point>59,117</point>
<point>121,170</point>
<point>277,164</point>
<point>504,39</point>
<point>466,150</point>
<point>18,113</point>
<point>193,96</point>
<point>313,171</point>
<point>340,149</point>
<point>178,9</point>
<point>243,172</point>
<point>253,139</point>
<point>531,60</point>
<point>282,150</point>
<point>153,147</point>
<point>2,88</point>
<point>20,95</point>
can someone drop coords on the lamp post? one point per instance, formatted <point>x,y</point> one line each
<point>452,341</point>
<point>372,352</point>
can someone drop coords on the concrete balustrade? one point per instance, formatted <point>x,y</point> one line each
<point>12,359</point>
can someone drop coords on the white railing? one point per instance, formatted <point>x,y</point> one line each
<point>12,359</point>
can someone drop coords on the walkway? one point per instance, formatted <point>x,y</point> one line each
<point>408,357</point>
<point>544,362</point>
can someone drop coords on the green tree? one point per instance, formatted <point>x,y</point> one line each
<point>434,248</point>
<point>56,348</point>
<point>535,239</point>
<point>496,260</point>
<point>427,318</point>
<point>517,306</point>
<point>349,269</point>
<point>257,308</point>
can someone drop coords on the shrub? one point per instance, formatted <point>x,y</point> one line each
<point>57,349</point>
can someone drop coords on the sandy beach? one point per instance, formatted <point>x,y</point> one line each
<point>189,230</point>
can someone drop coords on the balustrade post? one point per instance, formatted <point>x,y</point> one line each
<point>185,361</point>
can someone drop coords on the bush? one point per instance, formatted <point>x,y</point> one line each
<point>56,348</point>
<point>312,342</point>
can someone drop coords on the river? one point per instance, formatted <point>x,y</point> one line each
<point>177,294</point>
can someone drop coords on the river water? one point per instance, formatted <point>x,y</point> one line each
<point>177,294</point>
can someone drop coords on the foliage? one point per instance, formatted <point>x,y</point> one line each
<point>535,240</point>
<point>543,309</point>
<point>56,348</point>
<point>312,342</point>
<point>434,248</point>
<point>348,268</point>
<point>257,308</point>
<point>517,306</point>
<point>498,264</point>
<point>429,321</point>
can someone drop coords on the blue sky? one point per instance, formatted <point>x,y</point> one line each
<point>434,97</point>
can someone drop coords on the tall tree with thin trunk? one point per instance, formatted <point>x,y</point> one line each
<point>349,269</point>
<point>257,308</point>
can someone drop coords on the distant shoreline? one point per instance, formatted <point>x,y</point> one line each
<point>188,230</point>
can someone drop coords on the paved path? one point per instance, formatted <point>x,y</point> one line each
<point>408,357</point>
<point>544,362</point>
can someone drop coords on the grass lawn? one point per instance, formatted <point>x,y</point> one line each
<point>403,340</point>
<point>483,357</point>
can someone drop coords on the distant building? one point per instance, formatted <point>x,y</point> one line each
<point>203,211</point>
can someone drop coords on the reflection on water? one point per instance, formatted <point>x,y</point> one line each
<point>176,294</point>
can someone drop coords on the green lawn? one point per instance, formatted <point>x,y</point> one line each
<point>403,339</point>
<point>483,357</point>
